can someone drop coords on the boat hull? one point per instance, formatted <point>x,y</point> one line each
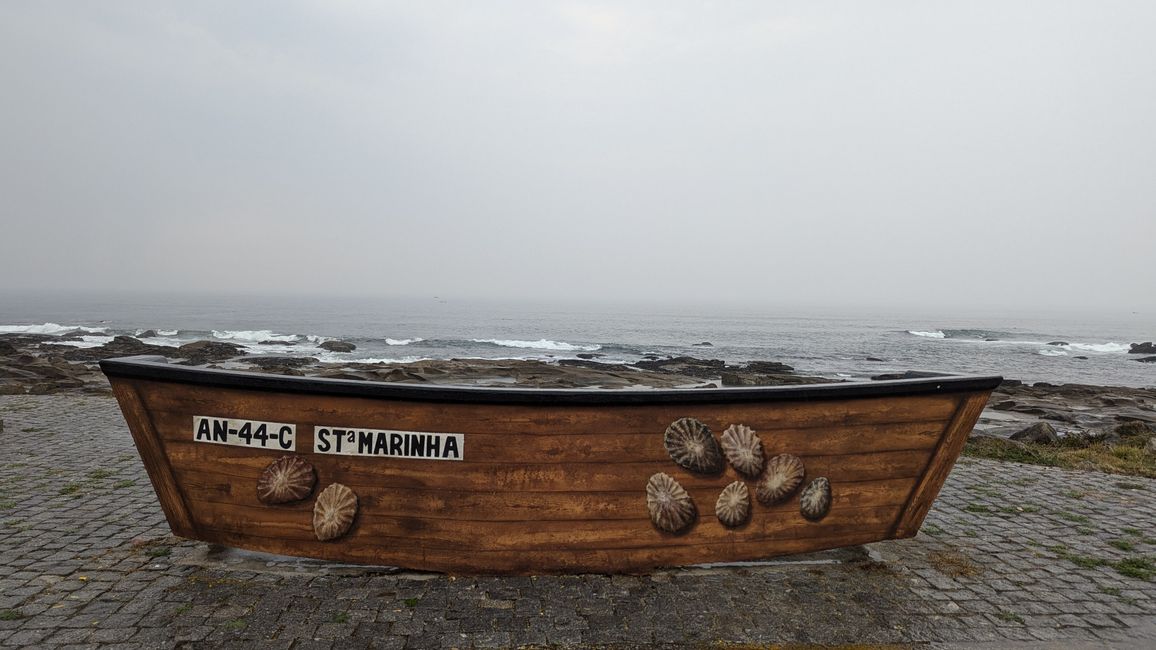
<point>539,481</point>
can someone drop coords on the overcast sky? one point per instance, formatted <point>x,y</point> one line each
<point>976,153</point>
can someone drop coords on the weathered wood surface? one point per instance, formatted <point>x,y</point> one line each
<point>544,488</point>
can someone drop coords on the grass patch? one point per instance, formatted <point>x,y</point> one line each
<point>1084,561</point>
<point>32,429</point>
<point>1143,568</point>
<point>410,602</point>
<point>1019,510</point>
<point>1010,617</point>
<point>128,482</point>
<point>1111,591</point>
<point>932,529</point>
<point>1125,457</point>
<point>1135,532</point>
<point>1129,485</point>
<point>953,565</point>
<point>7,504</point>
<point>235,624</point>
<point>341,617</point>
<point>10,615</point>
<point>1072,517</point>
<point>99,474</point>
<point>1074,494</point>
<point>159,551</point>
<point>182,609</point>
<point>1123,544</point>
<point>1085,530</point>
<point>977,507</point>
<point>71,488</point>
<point>984,490</point>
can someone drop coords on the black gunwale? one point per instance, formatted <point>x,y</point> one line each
<point>158,369</point>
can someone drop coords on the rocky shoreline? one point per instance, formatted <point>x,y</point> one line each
<point>44,364</point>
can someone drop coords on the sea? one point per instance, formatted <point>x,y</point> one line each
<point>844,343</point>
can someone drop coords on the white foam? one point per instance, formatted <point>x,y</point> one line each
<point>330,357</point>
<point>402,341</point>
<point>167,332</point>
<point>254,336</point>
<point>50,328</point>
<point>1097,347</point>
<point>930,335</point>
<point>88,341</point>
<point>1052,352</point>
<point>541,344</point>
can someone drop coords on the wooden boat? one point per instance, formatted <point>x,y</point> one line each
<point>520,481</point>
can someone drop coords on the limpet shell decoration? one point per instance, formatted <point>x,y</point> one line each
<point>671,508</point>
<point>743,449</point>
<point>784,475</point>
<point>733,507</point>
<point>287,479</point>
<point>691,445</point>
<point>815,501</point>
<point>333,512</point>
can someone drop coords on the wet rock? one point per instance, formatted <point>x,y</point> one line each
<point>202,352</point>
<point>1147,360</point>
<point>589,355</point>
<point>338,346</point>
<point>147,334</point>
<point>1057,343</point>
<point>1040,432</point>
<point>120,346</point>
<point>1143,348</point>
<point>704,344</point>
<point>1082,358</point>
<point>12,388</point>
<point>909,374</point>
<point>874,359</point>
<point>268,363</point>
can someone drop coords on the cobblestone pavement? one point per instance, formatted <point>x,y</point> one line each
<point>1010,553</point>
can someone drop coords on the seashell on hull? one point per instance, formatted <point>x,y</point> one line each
<point>783,477</point>
<point>743,448</point>
<point>287,479</point>
<point>333,512</point>
<point>733,507</point>
<point>691,445</point>
<point>815,501</point>
<point>671,508</point>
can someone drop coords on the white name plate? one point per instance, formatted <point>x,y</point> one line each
<point>245,433</point>
<point>389,444</point>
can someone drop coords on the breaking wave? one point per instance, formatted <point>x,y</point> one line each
<point>930,335</point>
<point>50,328</point>
<point>403,341</point>
<point>255,336</point>
<point>541,344</point>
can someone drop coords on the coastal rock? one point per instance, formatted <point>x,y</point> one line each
<point>1149,447</point>
<point>201,352</point>
<point>873,359</point>
<point>1057,343</point>
<point>147,334</point>
<point>120,346</point>
<point>1147,347</point>
<point>7,348</point>
<point>704,344</point>
<point>1147,360</point>
<point>908,374</point>
<point>1040,432</point>
<point>12,388</point>
<point>337,346</point>
<point>278,363</point>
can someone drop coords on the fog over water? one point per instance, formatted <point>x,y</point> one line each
<point>832,155</point>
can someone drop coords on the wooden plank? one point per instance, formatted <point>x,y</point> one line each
<point>468,536</point>
<point>246,464</point>
<point>156,462</point>
<point>939,466</point>
<point>473,505</point>
<point>536,420</point>
<point>627,446</point>
<point>559,560</point>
